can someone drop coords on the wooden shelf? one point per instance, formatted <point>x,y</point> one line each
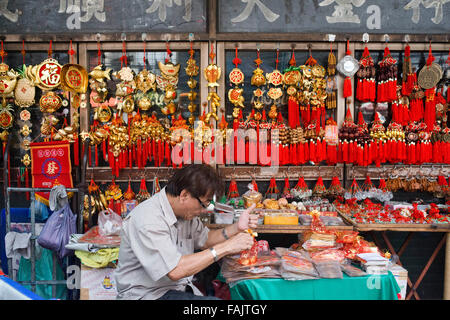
<point>243,173</point>
<point>104,174</point>
<point>402,170</point>
<point>281,229</point>
<point>399,227</point>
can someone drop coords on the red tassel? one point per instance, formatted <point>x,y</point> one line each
<point>360,86</point>
<point>332,154</point>
<point>324,150</point>
<point>395,115</point>
<point>414,153</point>
<point>345,152</point>
<point>360,156</point>
<point>160,152</point>
<point>300,153</point>
<point>312,150</point>
<point>347,87</point>
<point>293,113</point>
<point>436,158</point>
<point>339,153</point>
<point>306,148</point>
<point>294,155</point>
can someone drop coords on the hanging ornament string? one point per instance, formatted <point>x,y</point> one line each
<point>191,50</point>
<point>277,60</point>
<point>431,58</point>
<point>3,53</point>
<point>23,52</point>
<point>169,52</point>
<point>212,55</point>
<point>123,58</point>
<point>144,59</point>
<point>71,52</point>
<point>292,62</point>
<point>236,60</point>
<point>311,61</point>
<point>99,54</point>
<point>50,51</point>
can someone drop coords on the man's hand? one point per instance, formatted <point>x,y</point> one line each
<point>248,220</point>
<point>241,241</point>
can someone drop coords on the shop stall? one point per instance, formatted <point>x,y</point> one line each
<point>332,118</point>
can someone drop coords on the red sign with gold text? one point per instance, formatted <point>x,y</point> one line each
<point>50,166</point>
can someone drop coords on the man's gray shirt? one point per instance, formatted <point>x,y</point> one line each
<point>152,243</point>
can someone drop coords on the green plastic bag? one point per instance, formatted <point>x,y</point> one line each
<point>44,269</point>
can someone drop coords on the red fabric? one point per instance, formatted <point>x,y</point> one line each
<point>50,165</point>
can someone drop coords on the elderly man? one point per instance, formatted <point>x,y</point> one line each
<point>160,237</point>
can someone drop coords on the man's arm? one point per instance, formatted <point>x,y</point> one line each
<point>246,221</point>
<point>193,263</point>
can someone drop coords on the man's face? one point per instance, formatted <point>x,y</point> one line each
<point>193,206</point>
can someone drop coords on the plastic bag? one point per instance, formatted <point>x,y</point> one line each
<point>109,223</point>
<point>57,230</point>
<point>296,265</point>
<point>352,271</point>
<point>233,271</point>
<point>332,254</point>
<point>249,257</point>
<point>329,269</point>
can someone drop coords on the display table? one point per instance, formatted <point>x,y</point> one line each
<point>371,287</point>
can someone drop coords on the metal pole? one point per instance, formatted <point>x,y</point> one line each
<point>33,243</point>
<point>447,268</point>
<point>8,228</point>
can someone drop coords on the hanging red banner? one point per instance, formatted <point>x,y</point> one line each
<point>50,166</point>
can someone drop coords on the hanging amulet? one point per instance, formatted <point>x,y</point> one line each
<point>258,78</point>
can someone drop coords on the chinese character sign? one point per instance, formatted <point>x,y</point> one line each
<point>50,166</point>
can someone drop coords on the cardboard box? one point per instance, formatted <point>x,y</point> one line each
<point>401,275</point>
<point>97,283</point>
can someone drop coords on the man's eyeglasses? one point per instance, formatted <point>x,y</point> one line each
<point>204,206</point>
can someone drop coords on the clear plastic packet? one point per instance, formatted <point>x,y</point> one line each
<point>286,275</point>
<point>352,271</point>
<point>328,269</point>
<point>297,262</point>
<point>232,271</point>
<point>332,254</point>
<point>332,221</point>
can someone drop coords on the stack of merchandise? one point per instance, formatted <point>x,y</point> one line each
<point>391,213</point>
<point>373,263</point>
<point>323,253</point>
<point>258,262</point>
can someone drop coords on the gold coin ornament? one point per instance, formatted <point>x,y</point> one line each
<point>145,89</point>
<point>236,77</point>
<point>168,82</point>
<point>258,79</point>
<point>192,70</point>
<point>429,76</point>
<point>212,74</point>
